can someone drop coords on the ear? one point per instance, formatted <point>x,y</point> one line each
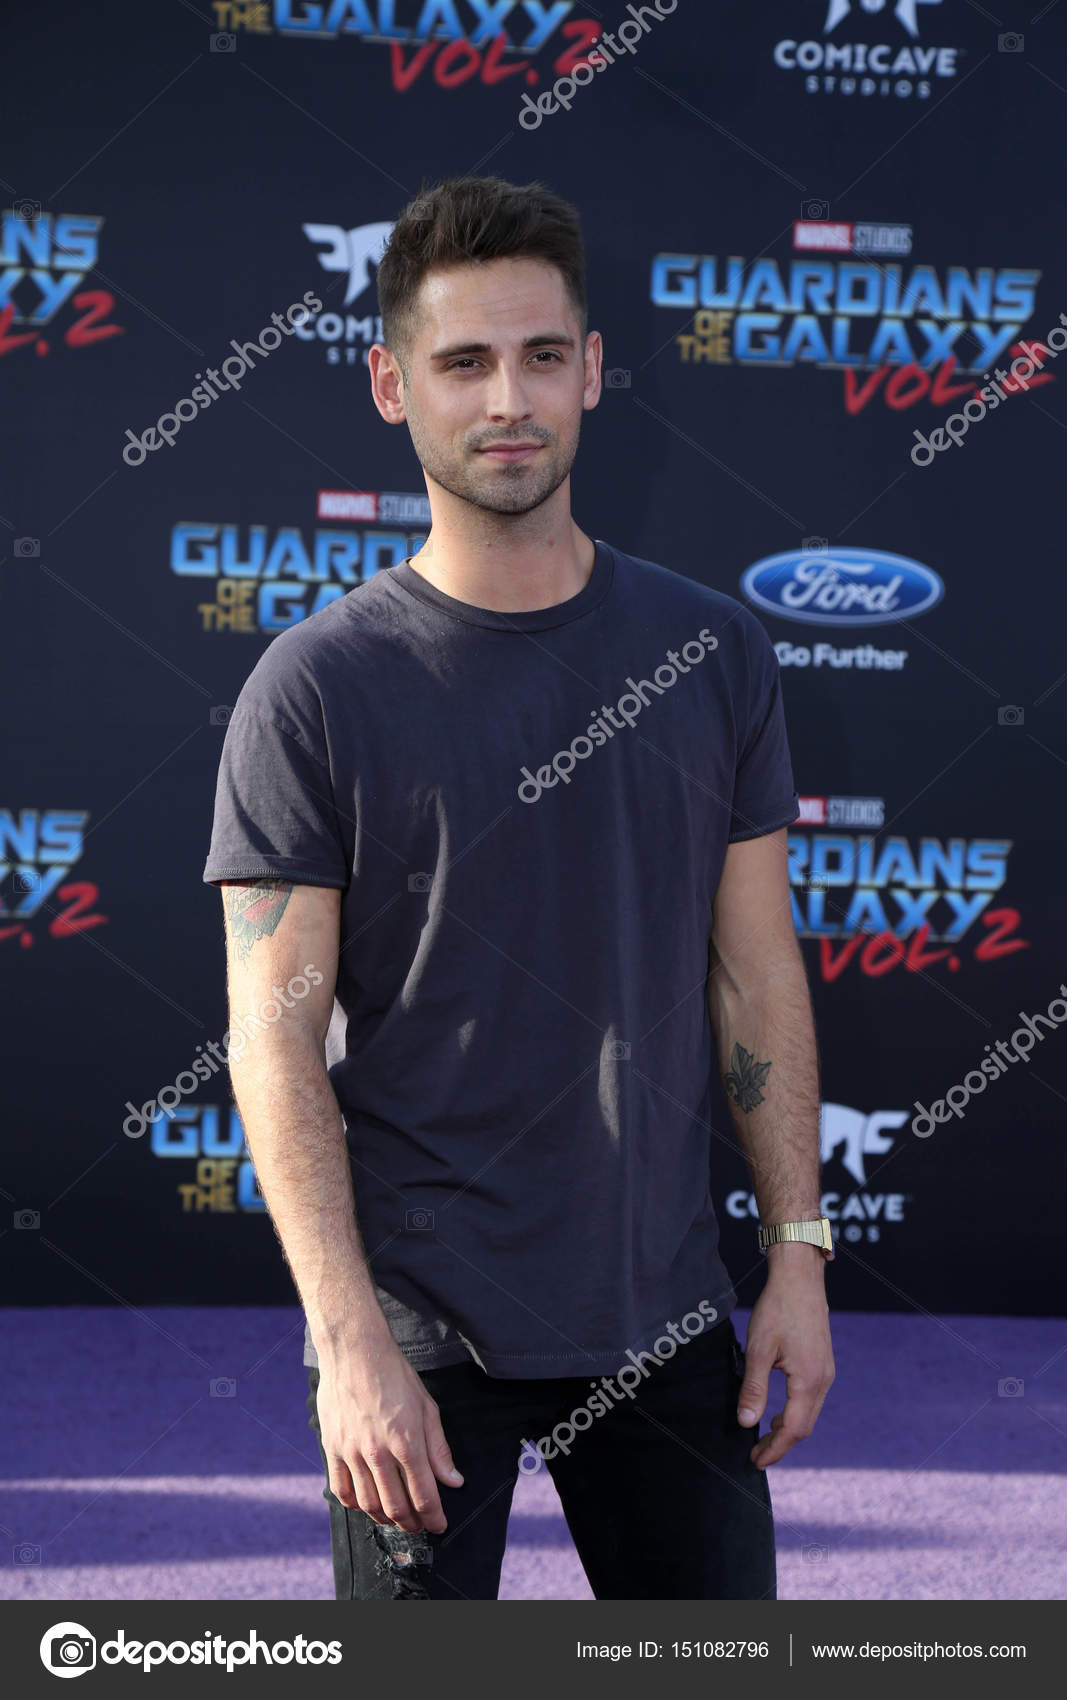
<point>594,355</point>
<point>387,384</point>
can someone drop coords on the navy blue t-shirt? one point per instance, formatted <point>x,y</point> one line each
<point>527,815</point>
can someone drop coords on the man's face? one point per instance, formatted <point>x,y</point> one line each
<point>497,382</point>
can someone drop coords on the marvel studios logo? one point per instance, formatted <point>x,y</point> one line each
<point>822,236</point>
<point>841,811</point>
<point>375,507</point>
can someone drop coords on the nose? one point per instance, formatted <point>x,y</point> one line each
<point>507,400</point>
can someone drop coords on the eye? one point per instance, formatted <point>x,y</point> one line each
<point>464,360</point>
<point>549,352</point>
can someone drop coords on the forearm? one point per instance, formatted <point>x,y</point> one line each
<point>765,1041</point>
<point>296,1139</point>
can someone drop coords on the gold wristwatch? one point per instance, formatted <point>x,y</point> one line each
<point>814,1233</point>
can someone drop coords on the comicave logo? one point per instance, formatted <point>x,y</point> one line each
<point>877,62</point>
<point>69,1649</point>
<point>355,255</point>
<point>850,1137</point>
<point>599,731</point>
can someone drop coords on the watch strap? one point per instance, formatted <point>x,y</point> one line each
<point>813,1233</point>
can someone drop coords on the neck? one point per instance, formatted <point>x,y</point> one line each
<point>512,563</point>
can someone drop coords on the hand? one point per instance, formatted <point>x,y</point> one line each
<point>789,1329</point>
<point>382,1435</point>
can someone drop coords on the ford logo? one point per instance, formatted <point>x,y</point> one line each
<point>842,587</point>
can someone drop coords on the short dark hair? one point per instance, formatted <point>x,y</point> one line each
<point>464,220</point>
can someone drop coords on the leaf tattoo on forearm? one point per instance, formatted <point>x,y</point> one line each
<point>744,1079</point>
<point>254,911</point>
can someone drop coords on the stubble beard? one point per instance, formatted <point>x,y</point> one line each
<point>497,487</point>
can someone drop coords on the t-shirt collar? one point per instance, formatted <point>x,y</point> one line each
<point>530,620</point>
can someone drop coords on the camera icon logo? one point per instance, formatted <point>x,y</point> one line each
<point>68,1649</point>
<point>1010,1388</point>
<point>224,41</point>
<point>419,1221</point>
<point>618,1051</point>
<point>27,1218</point>
<point>220,715</point>
<point>27,209</point>
<point>815,1554</point>
<point>814,209</point>
<point>1010,42</point>
<point>419,882</point>
<point>1010,714</point>
<point>223,1387</point>
<point>814,545</point>
<point>28,547</point>
<point>616,378</point>
<point>26,1553</point>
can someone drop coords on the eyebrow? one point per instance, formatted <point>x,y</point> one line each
<point>557,339</point>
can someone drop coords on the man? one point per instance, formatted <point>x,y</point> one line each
<point>521,801</point>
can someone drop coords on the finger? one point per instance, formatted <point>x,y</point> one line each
<point>340,1478</point>
<point>763,1456</point>
<point>414,1464</point>
<point>792,1424</point>
<point>425,1500</point>
<point>772,1447</point>
<point>393,1493</point>
<point>366,1493</point>
<point>752,1398</point>
<point>441,1461</point>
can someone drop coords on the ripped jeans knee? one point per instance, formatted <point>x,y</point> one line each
<point>405,1558</point>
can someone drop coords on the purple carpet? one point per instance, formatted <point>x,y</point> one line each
<point>938,1469</point>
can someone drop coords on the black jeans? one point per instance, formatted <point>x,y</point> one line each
<point>658,1491</point>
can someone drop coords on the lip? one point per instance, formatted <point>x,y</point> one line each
<point>510,451</point>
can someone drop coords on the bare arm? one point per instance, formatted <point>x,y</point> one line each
<point>764,1031</point>
<point>380,1429</point>
<point>275,931</point>
<point>761,1017</point>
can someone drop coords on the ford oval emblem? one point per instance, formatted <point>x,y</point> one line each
<point>842,587</point>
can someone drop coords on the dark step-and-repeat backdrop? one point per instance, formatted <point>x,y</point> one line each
<point>827,250</point>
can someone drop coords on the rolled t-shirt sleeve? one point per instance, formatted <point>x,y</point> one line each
<point>765,796</point>
<point>275,813</point>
